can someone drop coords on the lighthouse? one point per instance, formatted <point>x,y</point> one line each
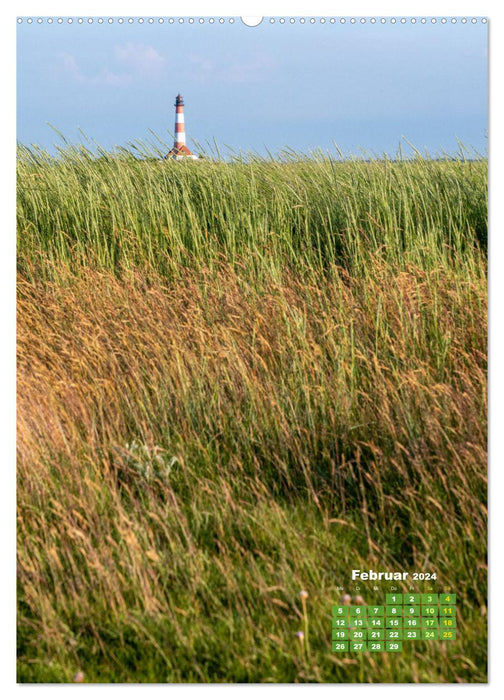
<point>180,150</point>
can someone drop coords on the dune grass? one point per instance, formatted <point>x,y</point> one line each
<point>237,381</point>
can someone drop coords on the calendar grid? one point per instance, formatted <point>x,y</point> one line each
<point>403,618</point>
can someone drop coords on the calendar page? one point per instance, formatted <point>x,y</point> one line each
<point>252,348</point>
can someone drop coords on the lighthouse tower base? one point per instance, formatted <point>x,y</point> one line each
<point>181,152</point>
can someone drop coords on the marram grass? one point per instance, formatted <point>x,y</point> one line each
<point>237,382</point>
<point>119,212</point>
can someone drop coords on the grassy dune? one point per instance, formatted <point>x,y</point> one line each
<point>237,381</point>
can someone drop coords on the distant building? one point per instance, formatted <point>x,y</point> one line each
<point>180,150</point>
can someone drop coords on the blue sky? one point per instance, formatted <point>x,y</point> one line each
<point>361,86</point>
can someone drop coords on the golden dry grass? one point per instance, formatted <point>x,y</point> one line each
<point>194,452</point>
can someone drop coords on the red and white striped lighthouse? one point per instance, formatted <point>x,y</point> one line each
<point>180,150</point>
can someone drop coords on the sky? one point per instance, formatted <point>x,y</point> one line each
<point>365,87</point>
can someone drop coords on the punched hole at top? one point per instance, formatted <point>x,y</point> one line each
<point>252,21</point>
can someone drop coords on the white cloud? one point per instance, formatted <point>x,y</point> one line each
<point>142,58</point>
<point>203,67</point>
<point>250,71</point>
<point>105,77</point>
<point>69,63</point>
<point>132,60</point>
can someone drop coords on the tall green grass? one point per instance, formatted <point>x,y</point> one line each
<point>120,211</point>
<point>238,381</point>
